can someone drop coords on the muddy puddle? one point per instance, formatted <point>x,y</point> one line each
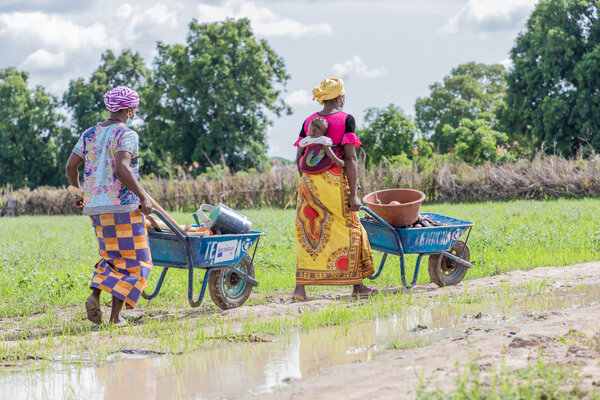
<point>227,371</point>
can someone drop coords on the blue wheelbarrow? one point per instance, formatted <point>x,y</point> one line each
<point>449,256</point>
<point>229,268</point>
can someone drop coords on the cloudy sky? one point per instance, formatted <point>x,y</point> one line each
<point>387,51</point>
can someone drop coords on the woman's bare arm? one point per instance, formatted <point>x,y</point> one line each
<point>299,155</point>
<point>72,170</point>
<point>351,173</point>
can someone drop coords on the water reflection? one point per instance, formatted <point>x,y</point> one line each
<point>232,370</point>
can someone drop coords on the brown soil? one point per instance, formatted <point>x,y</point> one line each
<point>438,366</point>
<point>567,337</point>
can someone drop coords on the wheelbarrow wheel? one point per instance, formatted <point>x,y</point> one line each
<point>445,272</point>
<point>227,289</point>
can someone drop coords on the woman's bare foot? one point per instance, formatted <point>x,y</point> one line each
<point>115,312</point>
<point>361,291</point>
<point>120,322</point>
<point>299,293</point>
<point>92,307</point>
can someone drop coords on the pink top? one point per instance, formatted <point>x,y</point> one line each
<point>336,129</point>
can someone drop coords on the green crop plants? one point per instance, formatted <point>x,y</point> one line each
<point>411,344</point>
<point>46,267</point>
<point>540,379</point>
<point>274,326</point>
<point>47,260</point>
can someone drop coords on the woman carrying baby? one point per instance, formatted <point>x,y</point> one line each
<point>332,247</point>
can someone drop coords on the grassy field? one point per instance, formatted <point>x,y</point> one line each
<point>46,266</point>
<point>46,261</point>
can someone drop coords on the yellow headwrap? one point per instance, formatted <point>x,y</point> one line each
<point>328,89</point>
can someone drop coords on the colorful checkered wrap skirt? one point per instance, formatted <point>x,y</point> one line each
<point>125,250</point>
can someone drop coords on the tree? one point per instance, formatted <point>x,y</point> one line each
<point>210,99</point>
<point>554,86</point>
<point>471,91</point>
<point>476,141</point>
<point>86,103</point>
<point>389,132</point>
<point>85,99</point>
<point>29,122</point>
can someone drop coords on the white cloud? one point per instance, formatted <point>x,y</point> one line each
<point>52,32</point>
<point>139,21</point>
<point>299,98</point>
<point>506,63</point>
<point>50,43</point>
<point>489,15</point>
<point>160,14</point>
<point>264,21</point>
<point>42,59</point>
<point>124,11</point>
<point>358,67</point>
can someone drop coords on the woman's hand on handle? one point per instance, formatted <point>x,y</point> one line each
<point>146,206</point>
<point>355,203</point>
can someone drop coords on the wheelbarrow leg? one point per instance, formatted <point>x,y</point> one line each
<point>402,269</point>
<point>158,285</point>
<point>375,275</point>
<point>400,251</point>
<point>401,257</point>
<point>196,303</point>
<point>417,265</point>
<point>190,257</point>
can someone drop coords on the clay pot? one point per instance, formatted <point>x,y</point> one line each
<point>403,214</point>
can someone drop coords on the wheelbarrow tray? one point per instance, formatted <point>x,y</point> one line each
<point>416,240</point>
<point>207,251</point>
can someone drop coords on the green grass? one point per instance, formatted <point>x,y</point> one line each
<point>411,344</point>
<point>46,261</point>
<point>539,380</point>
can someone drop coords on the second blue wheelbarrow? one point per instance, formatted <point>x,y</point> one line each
<point>229,268</point>
<point>449,256</point>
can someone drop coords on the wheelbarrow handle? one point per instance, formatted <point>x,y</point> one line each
<point>171,226</point>
<point>377,217</point>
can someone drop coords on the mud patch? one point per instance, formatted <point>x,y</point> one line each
<point>532,340</point>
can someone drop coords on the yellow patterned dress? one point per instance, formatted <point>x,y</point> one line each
<point>331,245</point>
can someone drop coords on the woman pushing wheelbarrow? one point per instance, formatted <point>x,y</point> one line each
<point>116,205</point>
<point>331,245</point>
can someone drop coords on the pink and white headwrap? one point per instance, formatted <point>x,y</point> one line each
<point>120,98</point>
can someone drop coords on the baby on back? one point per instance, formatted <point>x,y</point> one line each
<point>319,144</point>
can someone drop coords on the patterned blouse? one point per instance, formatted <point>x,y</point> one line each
<point>103,193</point>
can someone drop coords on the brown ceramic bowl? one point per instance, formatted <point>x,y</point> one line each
<point>405,213</point>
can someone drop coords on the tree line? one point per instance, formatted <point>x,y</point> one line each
<point>209,101</point>
<point>204,101</point>
<point>549,100</point>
